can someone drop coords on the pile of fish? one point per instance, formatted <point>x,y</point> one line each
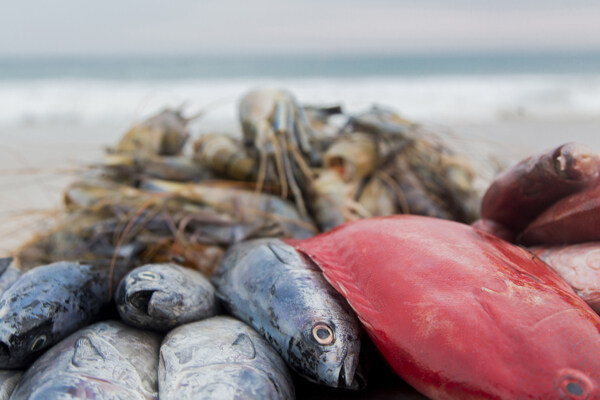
<point>283,264</point>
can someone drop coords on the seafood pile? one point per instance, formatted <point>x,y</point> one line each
<point>319,255</point>
<point>293,173</point>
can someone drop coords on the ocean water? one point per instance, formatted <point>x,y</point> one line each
<point>442,89</point>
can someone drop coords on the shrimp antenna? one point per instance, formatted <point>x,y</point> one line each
<point>206,108</point>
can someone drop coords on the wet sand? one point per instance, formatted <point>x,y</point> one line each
<point>37,162</point>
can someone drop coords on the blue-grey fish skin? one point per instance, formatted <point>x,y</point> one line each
<point>8,380</point>
<point>45,305</point>
<point>9,273</point>
<point>5,262</point>
<point>163,296</point>
<point>283,295</point>
<point>221,358</point>
<point>106,360</point>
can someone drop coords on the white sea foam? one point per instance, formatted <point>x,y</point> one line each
<point>447,99</point>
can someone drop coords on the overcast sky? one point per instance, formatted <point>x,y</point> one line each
<point>296,26</point>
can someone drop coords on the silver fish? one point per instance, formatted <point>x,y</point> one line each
<point>221,358</point>
<point>163,296</point>
<point>283,295</point>
<point>107,360</point>
<point>45,305</point>
<point>8,381</point>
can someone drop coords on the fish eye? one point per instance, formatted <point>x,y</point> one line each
<point>39,342</point>
<point>575,384</point>
<point>149,275</point>
<point>574,388</point>
<point>323,334</point>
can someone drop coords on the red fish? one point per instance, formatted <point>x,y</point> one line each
<point>495,228</point>
<point>521,192</point>
<point>573,219</point>
<point>461,314</point>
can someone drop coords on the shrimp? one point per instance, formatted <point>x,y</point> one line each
<point>277,131</point>
<point>164,134</point>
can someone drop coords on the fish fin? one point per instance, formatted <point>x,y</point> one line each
<point>85,351</point>
<point>244,345</point>
<point>284,253</point>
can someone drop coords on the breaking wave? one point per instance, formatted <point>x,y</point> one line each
<point>484,98</point>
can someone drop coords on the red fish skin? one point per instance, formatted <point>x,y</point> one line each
<point>495,228</point>
<point>574,219</point>
<point>523,191</point>
<point>578,265</point>
<point>459,313</point>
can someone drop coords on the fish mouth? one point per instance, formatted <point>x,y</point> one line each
<point>141,300</point>
<point>343,381</point>
<point>348,373</point>
<point>4,353</point>
<point>155,303</point>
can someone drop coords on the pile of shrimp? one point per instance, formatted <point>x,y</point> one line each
<point>296,171</point>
